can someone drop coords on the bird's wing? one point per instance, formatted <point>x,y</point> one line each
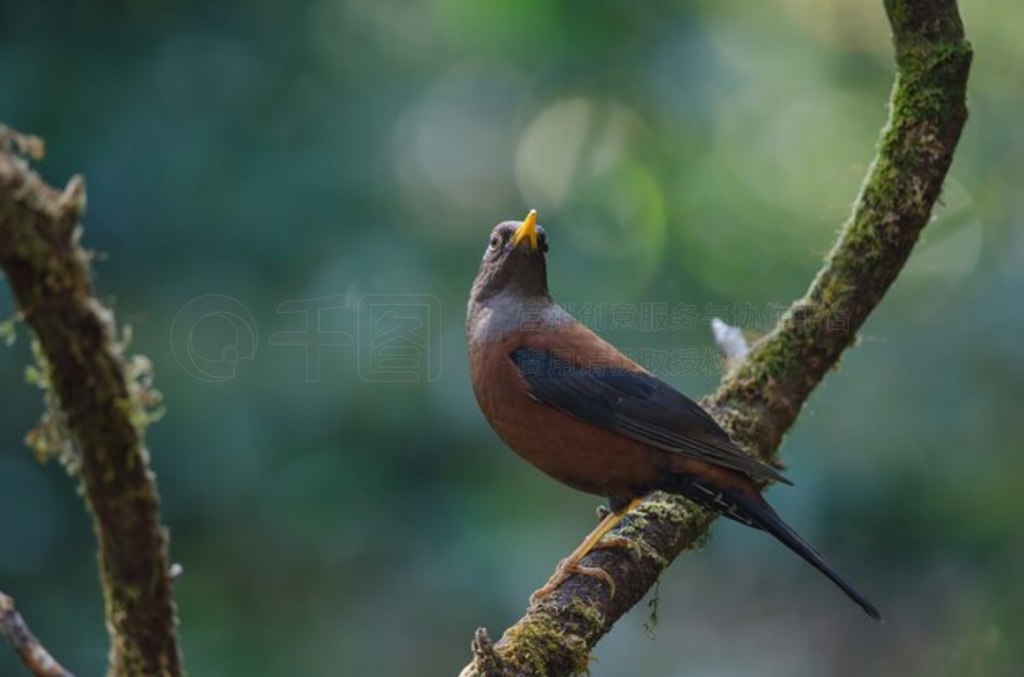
<point>619,396</point>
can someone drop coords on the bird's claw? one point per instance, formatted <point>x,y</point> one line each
<point>600,574</point>
<point>567,568</point>
<point>618,542</point>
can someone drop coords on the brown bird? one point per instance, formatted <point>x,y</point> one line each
<point>582,412</point>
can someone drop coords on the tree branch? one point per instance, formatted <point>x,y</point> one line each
<point>760,399</point>
<point>33,654</point>
<point>104,408</point>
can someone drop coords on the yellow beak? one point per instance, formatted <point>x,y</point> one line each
<point>527,231</point>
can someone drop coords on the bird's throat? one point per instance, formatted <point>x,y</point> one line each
<point>495,317</point>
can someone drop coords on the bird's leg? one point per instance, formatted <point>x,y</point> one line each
<point>616,505</point>
<point>571,564</point>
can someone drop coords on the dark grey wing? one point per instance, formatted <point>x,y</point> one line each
<point>637,405</point>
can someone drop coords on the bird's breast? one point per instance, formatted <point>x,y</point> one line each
<point>582,455</point>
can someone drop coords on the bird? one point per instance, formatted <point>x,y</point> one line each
<point>571,404</point>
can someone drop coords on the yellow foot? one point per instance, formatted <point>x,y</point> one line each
<point>567,568</point>
<point>571,564</point>
<point>618,542</point>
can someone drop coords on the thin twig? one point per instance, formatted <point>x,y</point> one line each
<point>33,654</point>
<point>760,399</point>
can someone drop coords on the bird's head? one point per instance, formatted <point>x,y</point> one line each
<point>514,261</point>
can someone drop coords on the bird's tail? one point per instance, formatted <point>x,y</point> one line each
<point>764,517</point>
<point>754,511</point>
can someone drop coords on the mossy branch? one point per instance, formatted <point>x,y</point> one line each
<point>759,400</point>
<point>104,409</point>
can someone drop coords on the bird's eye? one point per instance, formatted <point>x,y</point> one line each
<point>495,241</point>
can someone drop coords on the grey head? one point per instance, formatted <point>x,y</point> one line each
<point>512,282</point>
<point>514,262</point>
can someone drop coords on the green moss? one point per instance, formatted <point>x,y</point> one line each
<point>593,618</point>
<point>537,643</point>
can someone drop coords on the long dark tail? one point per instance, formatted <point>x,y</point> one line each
<point>755,512</point>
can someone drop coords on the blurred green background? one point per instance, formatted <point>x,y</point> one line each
<point>694,153</point>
